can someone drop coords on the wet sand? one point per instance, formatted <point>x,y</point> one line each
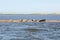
<point>28,21</point>
<point>52,20</point>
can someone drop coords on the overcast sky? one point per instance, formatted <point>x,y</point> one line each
<point>29,6</point>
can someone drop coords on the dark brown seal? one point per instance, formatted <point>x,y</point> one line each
<point>43,20</point>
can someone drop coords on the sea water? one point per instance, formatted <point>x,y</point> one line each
<point>29,30</point>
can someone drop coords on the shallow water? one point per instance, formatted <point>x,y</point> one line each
<point>30,31</point>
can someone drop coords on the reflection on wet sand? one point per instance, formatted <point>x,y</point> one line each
<point>32,29</point>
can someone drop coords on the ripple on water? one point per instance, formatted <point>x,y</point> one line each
<point>30,31</point>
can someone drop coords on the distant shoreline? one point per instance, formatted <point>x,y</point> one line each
<point>29,14</point>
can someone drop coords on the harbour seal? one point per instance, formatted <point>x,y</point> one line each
<point>43,20</point>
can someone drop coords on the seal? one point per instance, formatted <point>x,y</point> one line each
<point>43,20</point>
<point>34,20</point>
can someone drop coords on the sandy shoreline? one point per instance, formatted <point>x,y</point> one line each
<point>28,21</point>
<point>52,20</point>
